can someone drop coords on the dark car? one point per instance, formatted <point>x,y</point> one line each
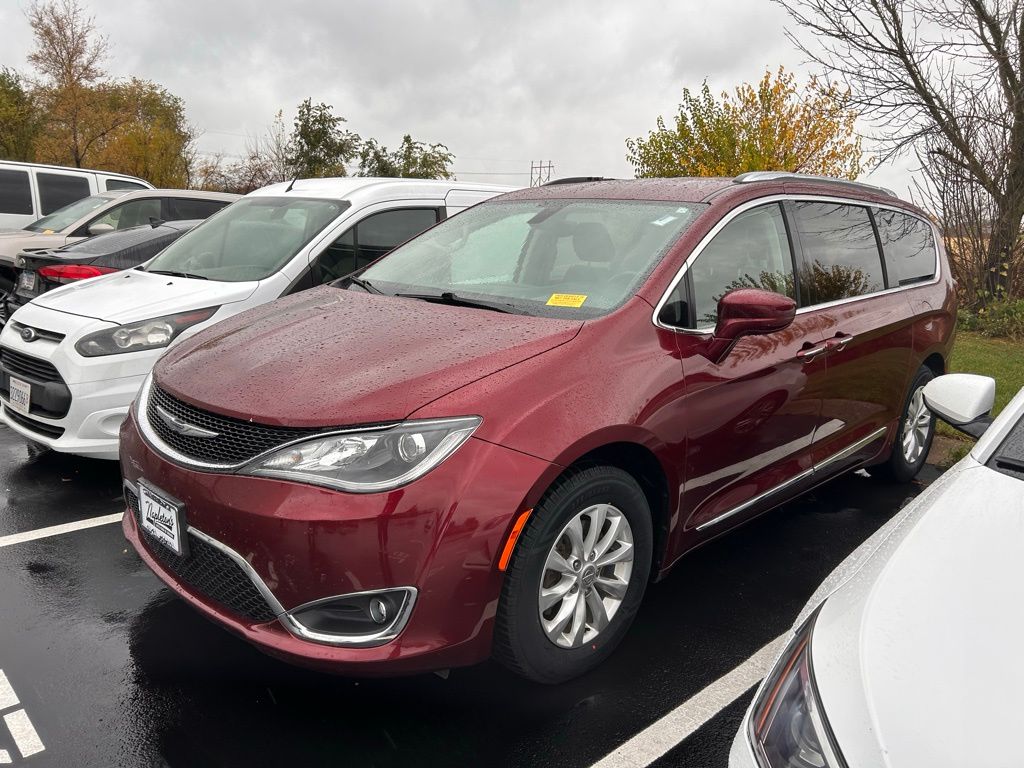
<point>489,441</point>
<point>42,271</point>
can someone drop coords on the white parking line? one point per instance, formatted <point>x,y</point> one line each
<point>657,739</point>
<point>57,530</point>
<point>26,739</point>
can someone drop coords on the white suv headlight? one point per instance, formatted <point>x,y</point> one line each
<point>366,461</point>
<point>145,334</point>
<point>787,726</point>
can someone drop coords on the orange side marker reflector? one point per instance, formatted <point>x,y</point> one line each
<point>506,554</point>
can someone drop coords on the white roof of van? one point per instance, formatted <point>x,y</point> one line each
<point>372,189</point>
<point>69,168</point>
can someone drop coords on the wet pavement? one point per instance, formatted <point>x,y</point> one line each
<point>112,670</point>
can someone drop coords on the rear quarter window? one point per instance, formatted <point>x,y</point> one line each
<point>15,192</point>
<point>908,247</point>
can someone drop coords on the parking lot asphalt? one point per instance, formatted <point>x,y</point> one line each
<point>101,666</point>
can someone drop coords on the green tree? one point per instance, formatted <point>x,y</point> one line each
<point>319,145</point>
<point>412,160</point>
<point>18,119</point>
<point>773,125</point>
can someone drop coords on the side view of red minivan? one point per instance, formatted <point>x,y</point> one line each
<point>488,442</point>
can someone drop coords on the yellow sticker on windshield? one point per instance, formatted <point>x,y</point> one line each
<point>566,300</point>
<point>47,231</point>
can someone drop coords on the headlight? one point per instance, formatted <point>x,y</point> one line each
<point>787,727</point>
<point>366,461</point>
<point>145,334</point>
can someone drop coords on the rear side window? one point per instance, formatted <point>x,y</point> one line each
<point>15,192</point>
<point>751,251</point>
<point>123,184</point>
<point>908,247</point>
<point>840,253</point>
<point>370,239</point>
<point>182,208</point>
<point>57,190</point>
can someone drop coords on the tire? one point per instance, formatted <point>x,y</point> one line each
<point>906,461</point>
<point>597,495</point>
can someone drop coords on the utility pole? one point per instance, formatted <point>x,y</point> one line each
<point>540,172</point>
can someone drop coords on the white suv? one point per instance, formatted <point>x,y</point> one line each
<point>72,360</point>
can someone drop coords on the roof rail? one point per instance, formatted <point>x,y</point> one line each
<point>754,176</point>
<point>575,180</point>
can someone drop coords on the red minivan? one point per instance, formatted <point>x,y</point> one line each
<point>488,442</point>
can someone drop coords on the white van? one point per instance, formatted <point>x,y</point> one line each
<point>29,191</point>
<point>73,359</point>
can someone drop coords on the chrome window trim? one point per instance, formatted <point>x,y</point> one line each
<point>782,198</point>
<point>823,464</point>
<point>291,623</point>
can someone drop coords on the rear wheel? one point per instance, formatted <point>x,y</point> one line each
<point>914,439</point>
<point>577,576</point>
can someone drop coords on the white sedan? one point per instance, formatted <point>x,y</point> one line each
<point>910,654</point>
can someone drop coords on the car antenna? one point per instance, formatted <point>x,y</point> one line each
<point>291,184</point>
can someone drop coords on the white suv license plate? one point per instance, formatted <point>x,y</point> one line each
<point>21,395</point>
<point>163,518</point>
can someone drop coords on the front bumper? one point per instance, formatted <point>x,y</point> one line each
<point>442,534</point>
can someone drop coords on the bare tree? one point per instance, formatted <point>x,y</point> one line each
<point>944,78</point>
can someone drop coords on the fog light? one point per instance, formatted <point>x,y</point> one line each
<point>361,619</point>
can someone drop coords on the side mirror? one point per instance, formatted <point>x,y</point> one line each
<point>962,400</point>
<point>100,229</point>
<point>749,312</point>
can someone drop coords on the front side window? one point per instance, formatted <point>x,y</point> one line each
<point>751,251</point>
<point>15,192</point>
<point>68,215</point>
<point>840,253</point>
<point>134,213</point>
<point>183,208</point>
<point>908,247</point>
<point>370,239</point>
<point>58,189</point>
<point>555,258</point>
<point>250,240</point>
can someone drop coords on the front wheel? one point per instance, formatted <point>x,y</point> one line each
<point>914,439</point>
<point>577,576</point>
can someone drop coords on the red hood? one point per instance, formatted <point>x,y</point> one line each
<point>330,357</point>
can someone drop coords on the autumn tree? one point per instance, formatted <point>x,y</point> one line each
<point>943,79</point>
<point>412,160</point>
<point>773,125</point>
<point>19,119</point>
<point>320,146</point>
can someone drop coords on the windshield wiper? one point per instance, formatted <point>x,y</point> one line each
<point>1005,462</point>
<point>364,284</point>
<point>191,275</point>
<point>460,301</point>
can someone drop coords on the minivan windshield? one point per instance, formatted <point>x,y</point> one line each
<point>69,214</point>
<point>552,258</point>
<point>248,240</point>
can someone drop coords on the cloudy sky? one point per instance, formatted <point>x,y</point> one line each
<point>501,83</point>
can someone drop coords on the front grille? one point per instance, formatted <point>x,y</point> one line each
<point>41,333</point>
<point>29,367</point>
<point>209,572</point>
<point>47,430</point>
<point>237,441</point>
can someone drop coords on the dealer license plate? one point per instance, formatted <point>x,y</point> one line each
<point>21,395</point>
<point>162,517</point>
<point>27,282</point>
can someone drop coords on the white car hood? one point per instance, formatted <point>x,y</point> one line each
<point>919,656</point>
<point>132,295</point>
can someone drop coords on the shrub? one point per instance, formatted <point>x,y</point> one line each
<point>1001,319</point>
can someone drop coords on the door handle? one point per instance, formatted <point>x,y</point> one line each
<point>806,355</point>
<point>838,344</point>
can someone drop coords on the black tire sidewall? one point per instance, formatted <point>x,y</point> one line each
<point>534,655</point>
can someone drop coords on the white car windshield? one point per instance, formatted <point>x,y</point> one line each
<point>554,258</point>
<point>69,214</point>
<point>248,240</point>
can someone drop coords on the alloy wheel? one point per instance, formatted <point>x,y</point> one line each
<point>916,427</point>
<point>586,576</point>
